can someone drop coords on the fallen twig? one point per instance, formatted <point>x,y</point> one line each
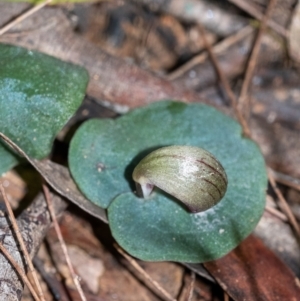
<point>218,48</point>
<point>23,16</point>
<point>20,272</point>
<point>190,291</point>
<point>226,85</point>
<point>285,179</point>
<point>137,267</point>
<point>285,206</point>
<point>276,213</point>
<point>34,223</point>
<point>252,10</point>
<point>244,99</point>
<point>22,245</point>
<point>62,243</point>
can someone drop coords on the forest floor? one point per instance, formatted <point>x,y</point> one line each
<point>228,54</point>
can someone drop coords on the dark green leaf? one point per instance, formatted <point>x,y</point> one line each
<point>103,154</point>
<point>38,94</point>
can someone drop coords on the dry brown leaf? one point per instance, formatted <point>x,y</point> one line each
<point>252,272</point>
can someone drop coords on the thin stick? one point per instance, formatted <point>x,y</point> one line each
<point>23,16</point>
<point>218,48</point>
<point>254,11</point>
<point>62,243</point>
<point>163,292</point>
<point>276,213</point>
<point>22,245</point>
<point>285,179</point>
<point>226,85</point>
<point>244,99</point>
<point>285,205</point>
<point>191,287</point>
<point>20,272</point>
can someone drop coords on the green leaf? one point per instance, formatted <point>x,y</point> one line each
<point>103,154</point>
<point>7,159</point>
<point>38,95</point>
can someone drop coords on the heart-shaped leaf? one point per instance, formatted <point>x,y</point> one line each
<point>103,154</point>
<point>38,95</point>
